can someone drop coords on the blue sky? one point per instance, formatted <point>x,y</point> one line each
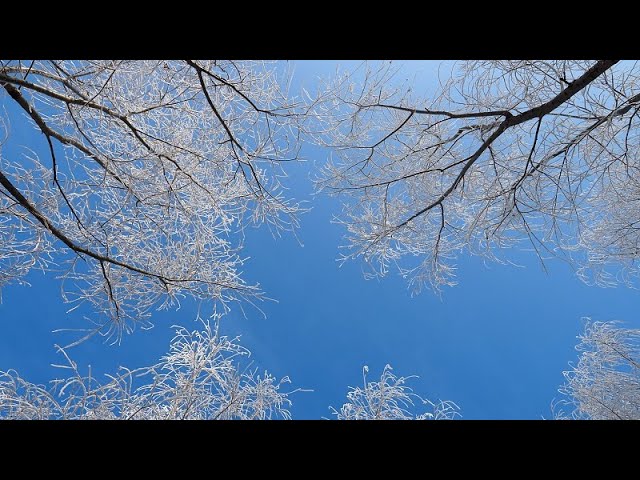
<point>496,344</point>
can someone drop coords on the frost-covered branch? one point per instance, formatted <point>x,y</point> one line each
<point>510,153</point>
<point>391,399</point>
<point>149,172</point>
<point>205,376</point>
<point>605,383</point>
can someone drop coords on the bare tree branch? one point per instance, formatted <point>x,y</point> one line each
<point>540,151</point>
<point>143,180</point>
<point>203,377</point>
<point>605,383</point>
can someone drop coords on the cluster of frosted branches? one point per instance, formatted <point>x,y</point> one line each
<point>540,153</point>
<point>391,399</point>
<point>202,377</point>
<point>147,174</point>
<point>605,384</point>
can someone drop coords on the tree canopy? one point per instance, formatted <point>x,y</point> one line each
<point>150,172</point>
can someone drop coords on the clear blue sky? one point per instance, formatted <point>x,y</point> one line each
<point>496,344</point>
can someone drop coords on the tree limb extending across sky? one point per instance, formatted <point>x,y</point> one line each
<point>543,151</point>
